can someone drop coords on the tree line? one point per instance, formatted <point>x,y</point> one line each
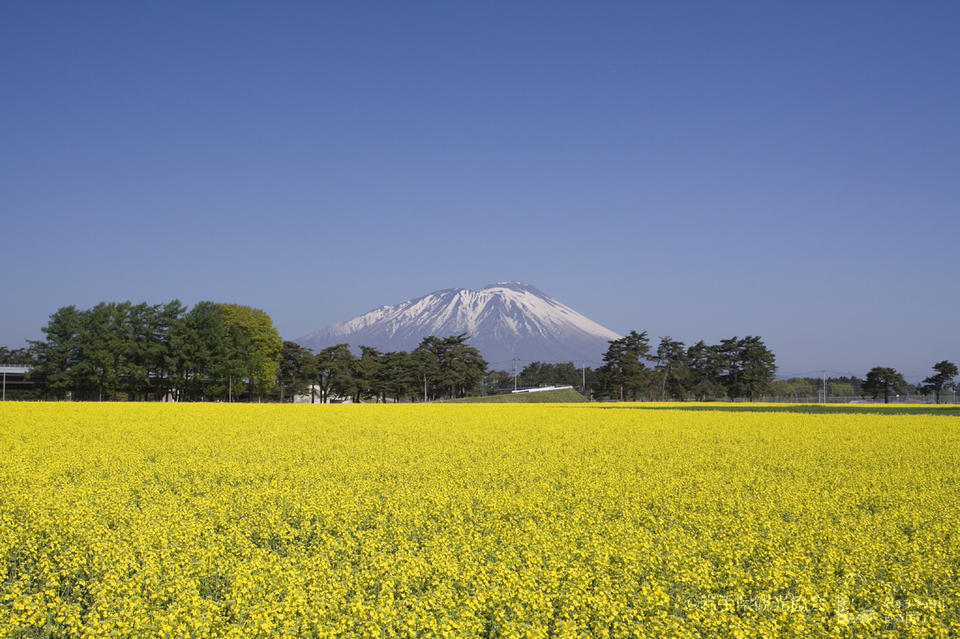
<point>230,352</point>
<point>154,352</point>
<point>634,370</point>
<point>736,368</point>
<point>439,368</point>
<point>879,382</point>
<point>226,352</point>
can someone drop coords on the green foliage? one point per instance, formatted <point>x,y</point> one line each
<point>811,387</point>
<point>624,374</point>
<point>224,351</point>
<point>15,357</point>
<point>803,386</point>
<point>367,373</point>
<point>747,365</point>
<point>734,368</point>
<point>704,369</point>
<point>673,368</point>
<point>447,367</point>
<point>550,374</point>
<point>841,389</point>
<point>946,371</point>
<point>111,351</point>
<point>16,390</point>
<point>334,366</point>
<point>58,353</point>
<point>495,381</point>
<point>255,346</point>
<point>396,376</point>
<point>782,388</point>
<point>141,351</point>
<point>203,358</point>
<point>882,381</point>
<point>100,345</point>
<point>439,367</point>
<point>297,370</point>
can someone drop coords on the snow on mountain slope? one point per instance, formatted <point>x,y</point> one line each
<point>504,321</point>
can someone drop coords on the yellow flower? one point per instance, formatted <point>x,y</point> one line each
<point>148,520</point>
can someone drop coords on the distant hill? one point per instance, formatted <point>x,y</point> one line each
<point>504,321</point>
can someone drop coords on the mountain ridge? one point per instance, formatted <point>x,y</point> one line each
<point>504,320</point>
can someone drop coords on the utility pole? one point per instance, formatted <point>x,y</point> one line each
<point>4,385</point>
<point>824,374</point>
<point>516,363</point>
<point>583,373</point>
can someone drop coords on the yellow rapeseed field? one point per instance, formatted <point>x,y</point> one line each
<point>150,520</point>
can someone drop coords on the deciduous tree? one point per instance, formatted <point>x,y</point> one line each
<point>256,345</point>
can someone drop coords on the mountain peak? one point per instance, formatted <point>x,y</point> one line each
<point>504,320</point>
<point>522,287</point>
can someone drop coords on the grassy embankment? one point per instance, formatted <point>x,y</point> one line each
<point>565,395</point>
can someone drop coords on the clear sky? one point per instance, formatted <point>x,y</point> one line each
<point>789,170</point>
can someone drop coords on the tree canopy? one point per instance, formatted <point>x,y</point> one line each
<point>447,366</point>
<point>624,373</point>
<point>217,351</point>
<point>882,381</point>
<point>121,350</point>
<point>734,368</point>
<point>946,371</point>
<point>255,346</point>
<point>297,370</point>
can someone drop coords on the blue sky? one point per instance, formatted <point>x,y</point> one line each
<point>699,170</point>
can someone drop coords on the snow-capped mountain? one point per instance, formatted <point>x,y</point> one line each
<point>504,321</point>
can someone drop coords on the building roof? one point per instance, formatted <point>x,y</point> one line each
<point>15,370</point>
